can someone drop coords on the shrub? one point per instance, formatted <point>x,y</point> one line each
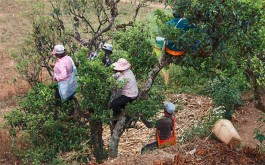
<point>47,126</point>
<point>203,128</point>
<point>259,133</point>
<point>137,43</point>
<point>225,92</point>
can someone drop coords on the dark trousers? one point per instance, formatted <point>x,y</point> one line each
<point>119,103</point>
<point>149,147</point>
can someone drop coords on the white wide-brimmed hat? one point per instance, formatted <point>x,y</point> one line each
<point>58,49</point>
<point>121,65</point>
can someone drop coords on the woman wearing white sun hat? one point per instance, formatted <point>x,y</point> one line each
<point>64,73</point>
<point>130,90</point>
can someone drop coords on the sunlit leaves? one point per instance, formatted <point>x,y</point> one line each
<point>96,82</point>
<point>137,44</point>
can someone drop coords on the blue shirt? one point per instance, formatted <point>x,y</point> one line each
<point>179,23</point>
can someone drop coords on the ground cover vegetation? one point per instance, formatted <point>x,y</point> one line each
<point>227,61</point>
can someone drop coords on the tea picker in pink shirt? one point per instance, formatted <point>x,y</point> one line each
<point>130,90</point>
<point>63,66</point>
<point>63,72</point>
<point>65,76</point>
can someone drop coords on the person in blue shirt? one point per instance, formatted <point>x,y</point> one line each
<point>178,22</point>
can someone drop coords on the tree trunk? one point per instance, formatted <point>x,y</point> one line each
<point>115,137</point>
<point>257,96</point>
<point>163,61</point>
<point>256,90</point>
<point>97,141</point>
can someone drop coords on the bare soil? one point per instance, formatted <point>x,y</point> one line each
<point>209,153</point>
<point>246,121</point>
<point>14,26</point>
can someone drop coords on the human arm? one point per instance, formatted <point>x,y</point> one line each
<point>147,123</point>
<point>52,65</point>
<point>122,80</point>
<point>117,75</point>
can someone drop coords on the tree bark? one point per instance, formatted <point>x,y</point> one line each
<point>257,96</point>
<point>97,141</point>
<point>163,61</point>
<point>256,90</point>
<point>115,137</point>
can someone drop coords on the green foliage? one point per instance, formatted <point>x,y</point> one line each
<point>257,66</point>
<point>96,82</point>
<point>230,34</point>
<point>138,45</point>
<point>258,134</point>
<point>222,73</point>
<point>46,122</point>
<point>225,92</point>
<point>184,79</point>
<point>40,115</point>
<point>28,61</point>
<point>162,18</point>
<point>185,41</point>
<point>34,53</point>
<point>15,119</point>
<point>147,107</point>
<point>225,28</point>
<point>203,128</point>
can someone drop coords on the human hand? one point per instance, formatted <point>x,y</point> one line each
<point>52,65</point>
<point>117,75</point>
<point>54,79</point>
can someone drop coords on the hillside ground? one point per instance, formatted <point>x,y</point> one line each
<point>208,150</point>
<point>14,26</point>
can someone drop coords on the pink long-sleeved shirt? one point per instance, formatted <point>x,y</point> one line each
<point>63,68</point>
<point>130,89</point>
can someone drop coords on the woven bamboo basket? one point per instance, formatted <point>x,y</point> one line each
<point>226,132</point>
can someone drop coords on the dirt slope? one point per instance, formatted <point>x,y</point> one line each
<point>14,26</point>
<point>209,150</point>
<point>209,153</point>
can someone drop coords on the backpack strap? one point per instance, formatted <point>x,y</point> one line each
<point>178,23</point>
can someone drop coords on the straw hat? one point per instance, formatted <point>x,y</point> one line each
<point>121,65</point>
